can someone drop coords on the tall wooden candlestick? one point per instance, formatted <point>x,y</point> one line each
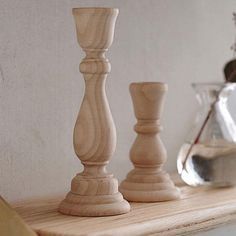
<point>147,182</point>
<point>94,192</point>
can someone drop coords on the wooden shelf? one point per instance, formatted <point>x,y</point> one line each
<point>198,209</point>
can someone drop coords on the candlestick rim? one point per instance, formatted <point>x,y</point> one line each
<point>78,9</point>
<point>160,85</point>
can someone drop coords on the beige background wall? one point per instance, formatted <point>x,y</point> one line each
<point>177,42</point>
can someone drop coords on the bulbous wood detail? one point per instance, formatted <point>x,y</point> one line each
<point>94,192</point>
<point>147,182</point>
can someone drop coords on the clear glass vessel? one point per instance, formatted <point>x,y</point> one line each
<point>208,157</point>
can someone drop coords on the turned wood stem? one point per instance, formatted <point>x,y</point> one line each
<point>147,182</point>
<point>94,192</point>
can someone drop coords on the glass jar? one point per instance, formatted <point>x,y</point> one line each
<point>208,156</point>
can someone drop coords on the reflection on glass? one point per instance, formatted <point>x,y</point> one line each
<point>208,157</point>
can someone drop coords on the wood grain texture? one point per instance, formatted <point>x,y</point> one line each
<point>147,182</point>
<point>94,192</point>
<point>198,209</point>
<point>11,223</point>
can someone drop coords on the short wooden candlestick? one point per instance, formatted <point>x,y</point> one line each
<point>147,182</point>
<point>94,192</point>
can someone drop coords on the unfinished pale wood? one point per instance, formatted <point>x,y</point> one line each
<point>94,192</point>
<point>198,209</point>
<point>147,182</point>
<point>11,223</point>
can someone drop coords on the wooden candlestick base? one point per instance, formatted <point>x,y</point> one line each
<point>148,182</point>
<point>94,196</point>
<point>94,192</point>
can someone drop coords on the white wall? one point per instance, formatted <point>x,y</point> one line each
<point>177,42</point>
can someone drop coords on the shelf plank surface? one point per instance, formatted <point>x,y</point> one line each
<point>198,209</point>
